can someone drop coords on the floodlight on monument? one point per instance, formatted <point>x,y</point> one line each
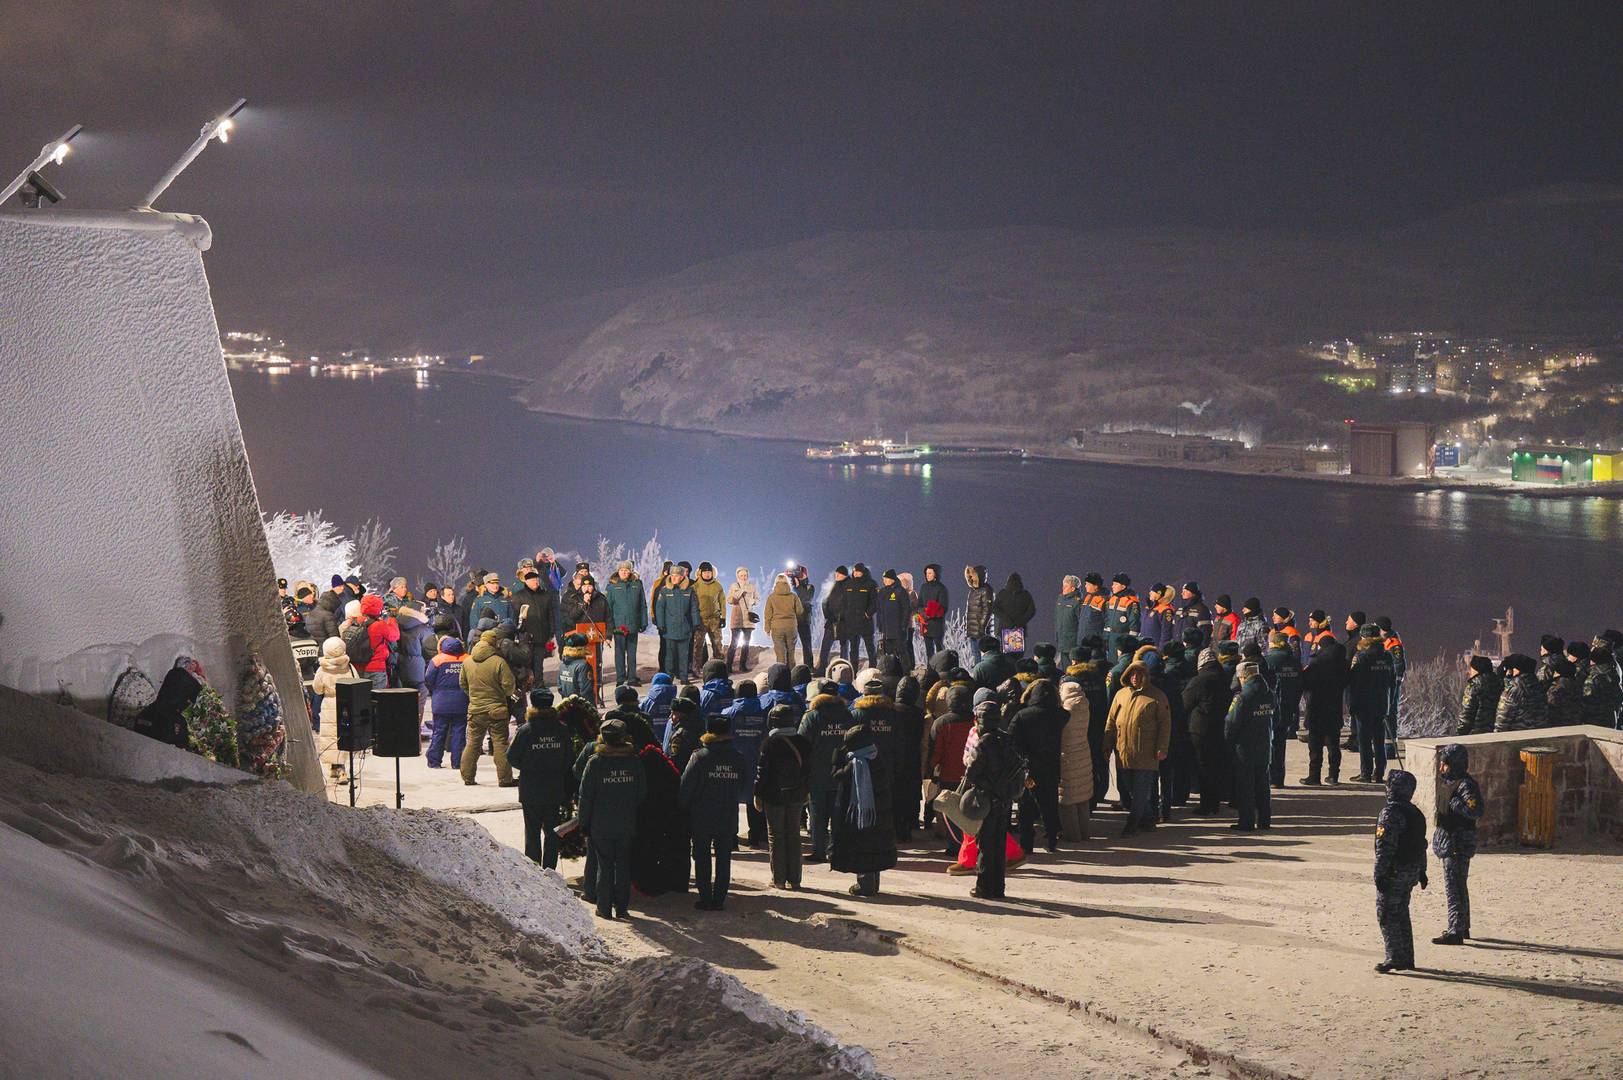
<point>218,128</point>
<point>52,153</point>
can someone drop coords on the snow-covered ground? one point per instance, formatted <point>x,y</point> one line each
<point>208,924</point>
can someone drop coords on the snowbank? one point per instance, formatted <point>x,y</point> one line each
<point>129,511</point>
<point>210,923</point>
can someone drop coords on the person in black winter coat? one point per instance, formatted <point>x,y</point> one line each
<point>823,725</point>
<point>782,778</point>
<point>933,605</point>
<point>864,841</point>
<point>858,603</point>
<point>659,851</point>
<point>1013,607</point>
<point>1206,698</point>
<point>909,739</point>
<point>711,784</point>
<point>977,610</point>
<point>321,621</point>
<point>1324,682</point>
<point>895,610</point>
<point>1370,680</point>
<point>686,730</point>
<point>535,608</point>
<point>543,754</point>
<point>992,748</point>
<point>833,607</point>
<point>1035,730</point>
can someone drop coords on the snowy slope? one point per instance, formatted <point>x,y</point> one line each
<point>180,927</point>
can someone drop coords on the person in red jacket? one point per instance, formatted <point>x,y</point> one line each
<point>381,632</point>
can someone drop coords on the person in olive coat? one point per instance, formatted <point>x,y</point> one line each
<point>612,787</point>
<point>864,839</point>
<point>712,785</point>
<point>542,752</point>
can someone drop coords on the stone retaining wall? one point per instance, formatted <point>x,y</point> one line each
<point>1588,779</point>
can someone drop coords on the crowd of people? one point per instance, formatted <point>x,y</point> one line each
<point>884,731</point>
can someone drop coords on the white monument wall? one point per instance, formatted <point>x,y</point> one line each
<point>129,526</point>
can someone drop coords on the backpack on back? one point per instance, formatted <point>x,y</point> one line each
<point>1009,781</point>
<point>358,644</point>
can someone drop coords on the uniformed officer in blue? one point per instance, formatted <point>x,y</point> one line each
<point>1454,840</point>
<point>1400,862</point>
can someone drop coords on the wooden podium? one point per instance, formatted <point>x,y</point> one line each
<point>595,633</point>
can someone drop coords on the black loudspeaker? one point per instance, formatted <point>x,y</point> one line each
<point>354,714</point>
<point>395,719</point>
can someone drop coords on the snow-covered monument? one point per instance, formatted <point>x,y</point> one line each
<point>130,531</point>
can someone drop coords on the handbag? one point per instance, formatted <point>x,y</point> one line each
<point>964,808</point>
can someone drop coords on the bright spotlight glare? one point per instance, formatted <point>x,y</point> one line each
<point>60,154</point>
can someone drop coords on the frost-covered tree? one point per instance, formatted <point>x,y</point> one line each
<point>646,561</point>
<point>374,554</point>
<point>308,547</point>
<point>956,635</point>
<point>448,563</point>
<point>1431,697</point>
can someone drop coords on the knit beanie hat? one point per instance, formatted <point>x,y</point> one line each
<point>1123,580</point>
<point>1224,602</point>
<point>1253,605</point>
<point>625,697</point>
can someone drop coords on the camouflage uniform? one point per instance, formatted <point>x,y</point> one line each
<point>1454,840</point>
<point>1400,862</point>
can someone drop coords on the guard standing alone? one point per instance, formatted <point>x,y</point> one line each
<point>1454,840</point>
<point>1400,862</point>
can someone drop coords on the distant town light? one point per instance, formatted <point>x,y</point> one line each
<point>218,128</point>
<point>52,153</point>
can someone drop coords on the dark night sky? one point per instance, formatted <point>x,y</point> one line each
<point>404,167</point>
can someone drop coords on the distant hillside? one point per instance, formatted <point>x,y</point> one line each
<point>1023,334</point>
